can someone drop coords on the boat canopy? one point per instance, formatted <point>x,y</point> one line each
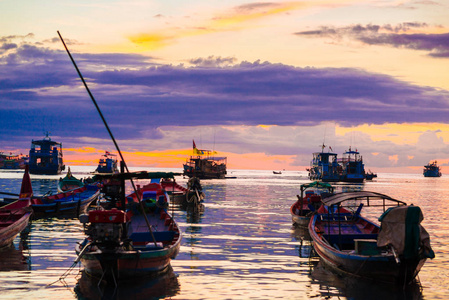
<point>360,195</point>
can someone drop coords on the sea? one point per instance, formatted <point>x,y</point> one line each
<point>240,245</point>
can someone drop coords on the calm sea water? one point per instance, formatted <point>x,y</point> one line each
<point>241,246</point>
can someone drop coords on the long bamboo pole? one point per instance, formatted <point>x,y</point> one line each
<point>110,134</point>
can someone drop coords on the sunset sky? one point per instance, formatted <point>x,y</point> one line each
<point>263,83</point>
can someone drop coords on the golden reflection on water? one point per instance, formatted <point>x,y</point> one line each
<point>241,246</point>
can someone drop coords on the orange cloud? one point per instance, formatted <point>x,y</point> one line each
<point>227,22</point>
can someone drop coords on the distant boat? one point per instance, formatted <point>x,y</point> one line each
<point>13,161</point>
<point>432,170</point>
<point>277,172</point>
<point>309,201</point>
<point>370,175</point>
<point>69,182</point>
<point>205,167</point>
<point>46,157</point>
<point>107,164</point>
<point>350,244</point>
<point>325,166</point>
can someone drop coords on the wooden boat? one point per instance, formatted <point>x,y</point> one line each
<point>12,161</point>
<point>14,217</point>
<point>277,172</point>
<point>46,157</point>
<point>107,164</point>
<point>309,201</point>
<point>432,170</point>
<point>128,245</point>
<point>204,165</point>
<point>191,196</point>
<point>69,182</point>
<point>370,175</point>
<point>352,245</point>
<point>72,202</point>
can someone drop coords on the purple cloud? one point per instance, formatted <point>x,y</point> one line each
<point>40,89</point>
<point>388,35</point>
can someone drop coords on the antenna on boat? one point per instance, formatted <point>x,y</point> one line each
<point>110,133</point>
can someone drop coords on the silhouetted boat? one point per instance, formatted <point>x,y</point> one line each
<point>107,164</point>
<point>432,170</point>
<point>351,244</point>
<point>46,157</point>
<point>204,165</point>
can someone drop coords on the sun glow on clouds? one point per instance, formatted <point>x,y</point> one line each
<point>240,18</point>
<point>406,133</point>
<point>175,158</point>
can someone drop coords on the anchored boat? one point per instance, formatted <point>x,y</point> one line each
<point>432,170</point>
<point>349,243</point>
<point>139,242</point>
<point>46,157</point>
<point>309,201</point>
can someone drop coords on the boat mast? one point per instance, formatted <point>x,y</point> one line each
<point>110,134</point>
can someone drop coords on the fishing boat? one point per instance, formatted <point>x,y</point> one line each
<point>191,196</point>
<point>12,162</point>
<point>309,201</point>
<point>46,157</point>
<point>370,175</point>
<point>14,217</point>
<point>324,166</point>
<point>204,165</point>
<point>107,164</point>
<point>132,244</point>
<point>350,244</point>
<point>353,168</point>
<point>432,170</point>
<point>327,167</point>
<point>277,172</point>
<point>71,202</point>
<point>69,182</point>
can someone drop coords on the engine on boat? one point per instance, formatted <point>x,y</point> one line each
<point>106,227</point>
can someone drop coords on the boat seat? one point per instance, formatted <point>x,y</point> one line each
<point>160,236</point>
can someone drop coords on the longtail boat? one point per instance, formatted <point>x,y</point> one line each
<point>69,182</point>
<point>140,242</point>
<point>66,203</point>
<point>309,201</point>
<point>14,217</point>
<point>350,244</point>
<point>192,195</point>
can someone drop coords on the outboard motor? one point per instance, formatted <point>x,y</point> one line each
<point>106,227</point>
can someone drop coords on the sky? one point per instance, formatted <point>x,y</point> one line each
<point>263,83</point>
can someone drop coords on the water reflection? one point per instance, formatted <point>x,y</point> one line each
<point>163,286</point>
<point>14,259</point>
<point>333,286</point>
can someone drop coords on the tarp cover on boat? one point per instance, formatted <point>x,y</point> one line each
<point>400,228</point>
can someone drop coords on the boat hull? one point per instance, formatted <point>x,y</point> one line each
<point>69,204</point>
<point>382,268</point>
<point>128,264</point>
<point>13,220</point>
